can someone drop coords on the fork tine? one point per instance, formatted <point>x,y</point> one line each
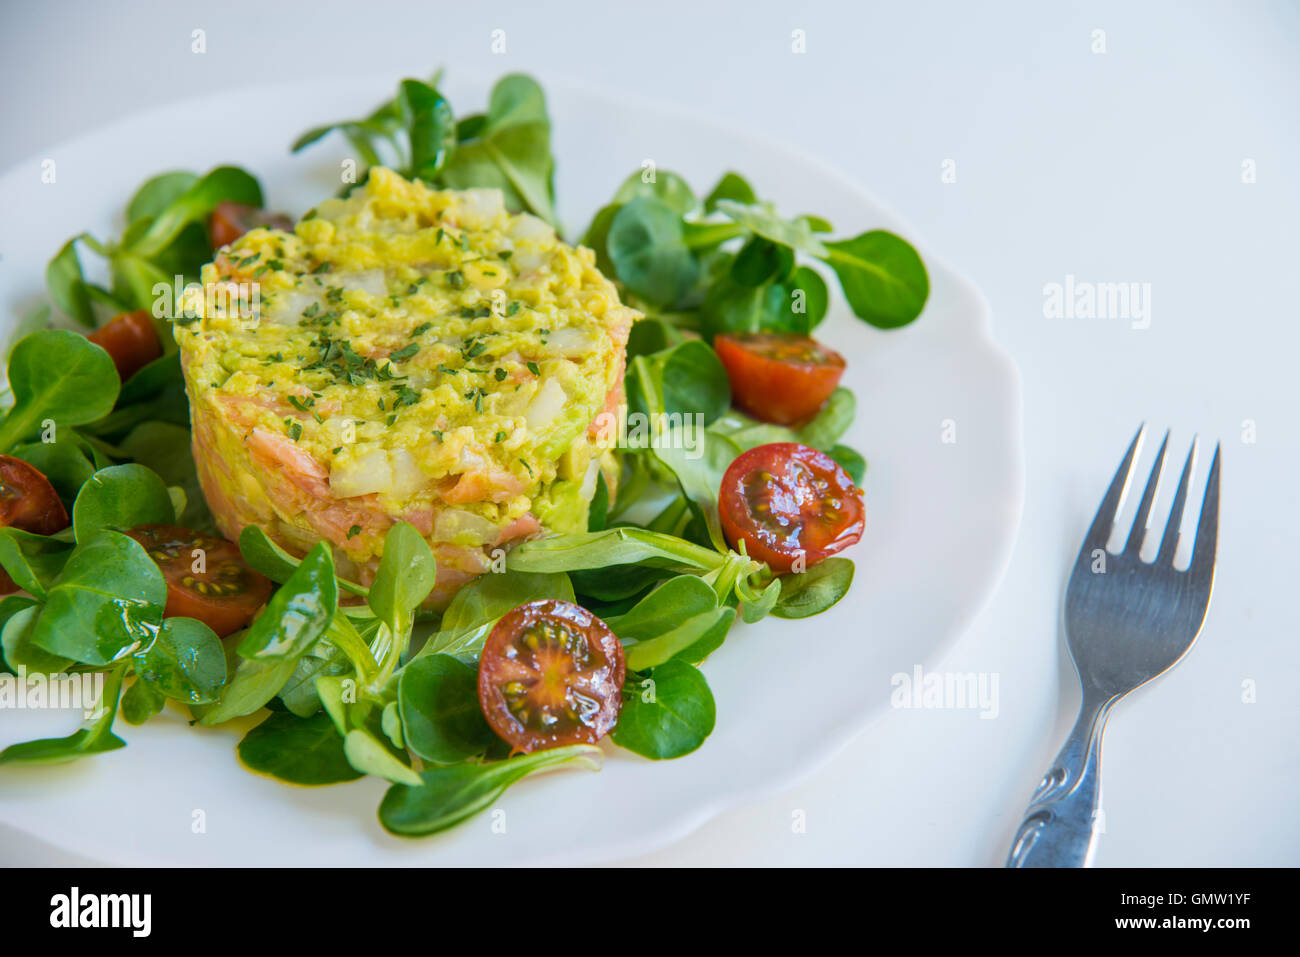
<point>1169,543</point>
<point>1207,526</point>
<point>1104,521</point>
<point>1139,531</point>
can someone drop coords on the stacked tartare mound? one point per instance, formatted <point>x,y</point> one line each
<point>405,354</point>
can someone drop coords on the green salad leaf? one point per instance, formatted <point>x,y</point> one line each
<point>510,149</point>
<point>814,591</point>
<point>185,662</point>
<point>667,714</point>
<point>297,614</point>
<point>448,795</point>
<point>16,639</point>
<point>94,737</point>
<point>67,284</point>
<point>507,147</point>
<point>121,497</point>
<point>439,708</point>
<point>225,183</point>
<point>106,601</point>
<point>647,249</point>
<point>741,273</point>
<point>404,579</point>
<point>306,751</point>
<point>882,276</point>
<point>56,377</point>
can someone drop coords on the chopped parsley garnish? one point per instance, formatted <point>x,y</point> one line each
<point>405,396</point>
<point>475,312</point>
<point>323,267</point>
<point>337,357</point>
<point>405,352</point>
<point>506,253</point>
<point>476,395</point>
<point>512,308</point>
<point>421,329</point>
<point>499,374</point>
<point>354,531</point>
<point>312,311</point>
<point>500,437</point>
<point>473,347</point>
<point>534,368</point>
<point>456,279</point>
<point>527,466</point>
<point>298,403</point>
<point>295,431</point>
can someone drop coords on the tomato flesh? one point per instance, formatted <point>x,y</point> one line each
<point>28,502</point>
<point>551,674</point>
<point>131,340</point>
<point>779,377</point>
<point>230,220</point>
<point>788,502</point>
<point>220,590</point>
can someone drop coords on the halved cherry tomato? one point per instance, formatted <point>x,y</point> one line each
<point>231,220</point>
<point>788,501</point>
<point>214,586</point>
<point>27,501</point>
<point>130,340</point>
<point>779,377</point>
<point>551,674</point>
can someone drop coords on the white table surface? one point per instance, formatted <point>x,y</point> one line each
<point>1122,166</point>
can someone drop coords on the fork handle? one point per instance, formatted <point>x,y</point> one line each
<point>1060,826</point>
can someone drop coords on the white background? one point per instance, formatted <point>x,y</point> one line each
<point>1122,166</point>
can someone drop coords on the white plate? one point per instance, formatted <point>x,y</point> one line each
<point>942,517</point>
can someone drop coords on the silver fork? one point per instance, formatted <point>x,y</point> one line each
<point>1126,621</point>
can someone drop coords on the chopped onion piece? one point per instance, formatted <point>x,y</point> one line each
<point>546,405</point>
<point>528,226</point>
<point>363,475</point>
<point>371,281</point>
<point>407,477</point>
<point>455,522</point>
<point>570,342</point>
<point>480,207</point>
